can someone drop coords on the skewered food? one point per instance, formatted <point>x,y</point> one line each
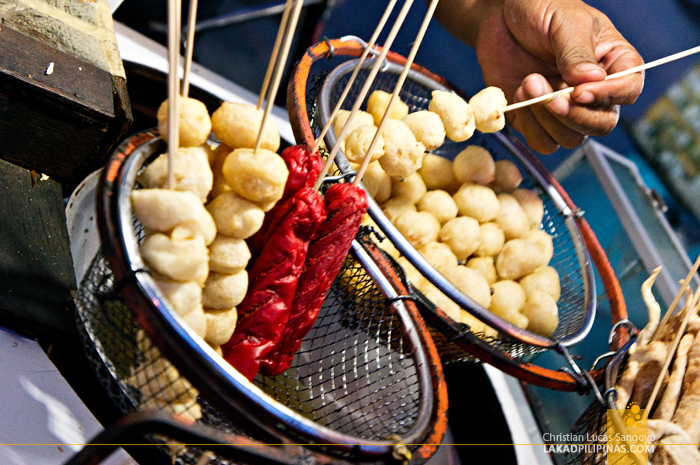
<point>358,141</point>
<point>492,240</point>
<point>224,290</point>
<point>257,176</point>
<point>191,172</point>
<point>462,235</point>
<point>542,313</point>
<point>440,204</point>
<point>478,202</point>
<point>237,125</point>
<point>455,113</point>
<point>182,296</point>
<point>427,127</point>
<point>228,255</point>
<point>235,216</point>
<point>411,188</point>
<point>437,173</point>
<point>220,325</point>
<point>378,102</point>
<point>475,165</point>
<point>377,182</point>
<point>523,256</point>
<point>488,105</point>
<point>512,218</point>
<point>185,259</point>
<point>403,154</point>
<point>194,124</point>
<point>419,228</point>
<point>361,118</point>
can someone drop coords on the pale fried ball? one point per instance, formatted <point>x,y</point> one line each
<point>419,228</point>
<point>378,102</point>
<point>439,255</point>
<point>183,296</point>
<point>440,300</point>
<point>196,321</point>
<point>411,188</point>
<point>437,173</point>
<point>228,255</point>
<point>181,260</point>
<point>427,127</point>
<point>545,279</point>
<point>194,126</point>
<point>377,182</point>
<point>507,301</point>
<point>532,204</point>
<point>238,124</point>
<point>224,290</point>
<point>361,118</point>
<point>220,325</point>
<point>403,154</point>
<point>485,266</point>
<point>235,216</point>
<point>512,218</point>
<point>357,144</point>
<point>191,172</point>
<point>523,256</point>
<point>475,165</point>
<point>412,274</point>
<point>478,202</point>
<point>462,235</point>
<point>440,204</point>
<point>455,113</point>
<point>542,313</point>
<point>217,163</point>
<point>507,177</point>
<point>472,283</point>
<point>488,105</point>
<point>394,207</point>
<point>492,240</point>
<point>257,176</point>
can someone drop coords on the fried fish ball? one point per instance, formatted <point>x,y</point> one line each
<point>377,103</point>
<point>427,127</point>
<point>182,296</point>
<point>191,172</point>
<point>488,105</point>
<point>419,228</point>
<point>542,312</point>
<point>455,113</point>
<point>545,279</point>
<point>235,216</point>
<point>462,235</point>
<point>403,154</point>
<point>507,301</point>
<point>472,283</point>
<point>492,240</point>
<point>507,177</point>
<point>238,124</point>
<point>219,186</point>
<point>181,260</point>
<point>437,173</point>
<point>358,141</point>
<point>361,118</point>
<point>512,218</point>
<point>475,165</point>
<point>196,321</point>
<point>377,182</point>
<point>485,266</point>
<point>412,187</point>
<point>394,207</point>
<point>412,274</point>
<point>523,256</point>
<point>257,176</point>
<point>440,204</point>
<point>220,325</point>
<point>228,255</point>
<point>163,209</point>
<point>478,202</point>
<point>194,124</point>
<point>439,255</point>
<point>532,204</point>
<point>224,290</point>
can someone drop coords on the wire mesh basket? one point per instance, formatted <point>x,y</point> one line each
<point>365,385</point>
<point>316,85</point>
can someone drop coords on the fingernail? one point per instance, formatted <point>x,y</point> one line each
<point>583,67</point>
<point>559,105</point>
<point>586,97</point>
<point>534,86</point>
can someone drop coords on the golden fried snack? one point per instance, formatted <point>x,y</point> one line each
<point>191,172</point>
<point>440,204</point>
<point>653,309</point>
<point>358,141</point>
<point>220,325</point>
<point>512,218</point>
<point>419,228</point>
<point>427,127</point>
<point>475,165</point>
<point>545,279</point>
<point>455,113</point>
<point>237,125</point>
<point>228,255</point>
<point>182,296</point>
<point>361,118</point>
<point>688,414</point>
<point>669,401</point>
<point>181,260</point>
<point>378,102</point>
<point>437,173</point>
<point>507,177</point>
<point>194,123</point>
<point>532,204</point>
<point>485,266</point>
<point>394,207</point>
<point>492,240</point>
<point>471,282</point>
<point>523,256</point>
<point>224,290</point>
<point>403,154</point>
<point>439,255</point>
<point>649,372</point>
<point>196,321</point>
<point>411,188</point>
<point>412,274</point>
<point>478,202</point>
<point>217,159</point>
<point>488,105</point>
<point>163,209</point>
<point>257,176</point>
<point>542,313</point>
<point>377,182</point>
<point>507,301</point>
<point>235,216</point>
<point>462,235</point>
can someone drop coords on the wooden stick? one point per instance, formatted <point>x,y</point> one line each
<point>173,84</point>
<point>677,299</point>
<point>189,48</point>
<point>365,88</point>
<point>275,52</point>
<point>289,34</point>
<point>354,74</point>
<point>397,89</point>
<point>636,69</point>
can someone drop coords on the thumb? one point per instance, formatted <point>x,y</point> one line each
<point>574,40</point>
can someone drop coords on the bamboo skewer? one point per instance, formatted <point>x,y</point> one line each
<point>173,84</point>
<point>189,48</point>
<point>677,299</point>
<point>275,52</point>
<point>365,88</point>
<point>397,89</point>
<point>354,74</point>
<point>636,69</point>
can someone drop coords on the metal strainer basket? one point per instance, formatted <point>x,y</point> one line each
<point>365,385</point>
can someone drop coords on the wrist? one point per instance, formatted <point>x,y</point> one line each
<point>464,18</point>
